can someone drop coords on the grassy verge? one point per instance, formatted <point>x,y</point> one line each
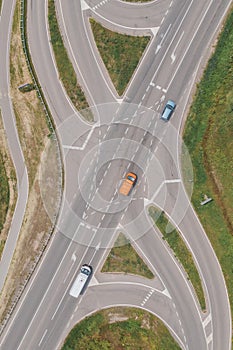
<point>64,65</point>
<point>7,188</point>
<point>182,253</point>
<point>120,53</point>
<point>208,135</point>
<point>4,199</point>
<point>123,258</point>
<point>33,133</point>
<point>120,328</point>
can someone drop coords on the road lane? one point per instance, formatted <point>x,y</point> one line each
<point>13,142</point>
<point>139,92</point>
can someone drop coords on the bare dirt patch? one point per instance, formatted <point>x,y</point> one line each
<point>116,317</point>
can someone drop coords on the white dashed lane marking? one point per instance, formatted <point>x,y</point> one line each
<point>147,297</point>
<point>100,4</point>
<point>44,334</point>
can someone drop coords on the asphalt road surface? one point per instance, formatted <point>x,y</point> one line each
<point>9,123</point>
<point>126,136</point>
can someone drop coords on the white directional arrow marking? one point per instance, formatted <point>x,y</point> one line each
<point>73,258</point>
<point>164,36</point>
<point>98,246</point>
<point>162,98</point>
<point>157,48</point>
<point>173,57</point>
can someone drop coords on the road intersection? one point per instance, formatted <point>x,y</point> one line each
<point>126,136</point>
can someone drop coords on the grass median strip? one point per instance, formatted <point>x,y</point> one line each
<point>4,192</point>
<point>64,65</point>
<point>120,53</point>
<point>4,199</point>
<point>123,258</point>
<point>7,187</point>
<point>120,328</point>
<point>181,252</point>
<point>208,136</point>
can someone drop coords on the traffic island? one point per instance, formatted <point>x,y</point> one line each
<point>124,259</point>
<point>120,53</point>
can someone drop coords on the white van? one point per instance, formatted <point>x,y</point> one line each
<point>80,281</point>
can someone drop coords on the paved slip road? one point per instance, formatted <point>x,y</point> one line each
<point>8,118</point>
<point>100,155</point>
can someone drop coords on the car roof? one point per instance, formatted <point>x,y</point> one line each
<point>166,113</point>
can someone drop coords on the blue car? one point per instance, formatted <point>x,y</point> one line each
<point>168,110</point>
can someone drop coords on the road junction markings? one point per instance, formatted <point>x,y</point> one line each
<point>98,149</point>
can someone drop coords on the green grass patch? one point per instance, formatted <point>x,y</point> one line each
<point>120,53</point>
<point>2,244</point>
<point>180,250</point>
<point>208,135</point>
<point>123,258</point>
<point>4,192</point>
<point>64,65</point>
<point>120,328</point>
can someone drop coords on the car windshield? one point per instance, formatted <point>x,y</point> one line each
<point>131,178</point>
<point>85,271</point>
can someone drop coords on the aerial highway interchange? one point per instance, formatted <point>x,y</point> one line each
<point>126,136</point>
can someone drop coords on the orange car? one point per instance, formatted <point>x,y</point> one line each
<point>128,183</point>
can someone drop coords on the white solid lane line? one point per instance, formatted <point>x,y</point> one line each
<point>171,42</point>
<point>193,37</point>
